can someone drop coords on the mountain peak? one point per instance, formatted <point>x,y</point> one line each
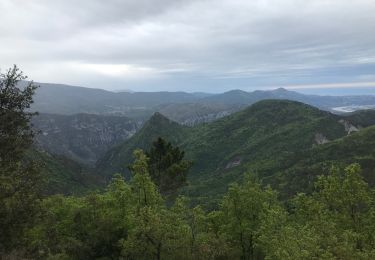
<point>158,116</point>
<point>236,91</point>
<point>280,90</point>
<point>283,108</point>
<point>159,120</point>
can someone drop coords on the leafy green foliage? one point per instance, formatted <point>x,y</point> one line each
<point>128,220</point>
<point>335,222</point>
<point>243,209</point>
<point>16,134</point>
<point>20,181</point>
<point>131,221</point>
<point>167,168</point>
<point>275,140</point>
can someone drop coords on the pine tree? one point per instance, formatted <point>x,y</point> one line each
<point>167,167</point>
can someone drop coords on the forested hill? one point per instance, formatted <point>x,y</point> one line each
<point>259,139</point>
<point>362,118</point>
<point>117,159</point>
<point>283,143</point>
<point>63,175</point>
<point>301,170</point>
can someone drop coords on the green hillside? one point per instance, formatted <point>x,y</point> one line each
<point>116,160</point>
<point>362,118</point>
<point>257,139</point>
<point>265,129</point>
<point>302,169</point>
<point>64,176</point>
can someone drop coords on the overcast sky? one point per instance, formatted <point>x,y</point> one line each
<point>191,45</point>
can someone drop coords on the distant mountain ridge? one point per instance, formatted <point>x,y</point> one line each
<point>64,99</point>
<point>322,102</point>
<point>109,118</point>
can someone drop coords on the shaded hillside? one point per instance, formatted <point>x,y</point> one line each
<point>117,159</point>
<point>192,114</point>
<point>82,137</point>
<point>362,118</point>
<point>63,175</point>
<point>301,170</point>
<point>264,129</point>
<point>257,137</point>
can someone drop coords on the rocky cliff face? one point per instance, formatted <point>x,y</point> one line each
<point>196,120</point>
<point>82,137</point>
<point>86,137</point>
<point>191,114</point>
<point>349,128</point>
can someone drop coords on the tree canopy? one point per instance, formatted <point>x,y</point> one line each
<point>167,166</point>
<point>20,180</point>
<point>130,220</point>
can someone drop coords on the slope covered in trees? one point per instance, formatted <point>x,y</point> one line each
<point>130,220</point>
<point>257,139</point>
<point>362,118</point>
<point>62,175</point>
<point>290,145</point>
<point>118,159</point>
<point>301,169</point>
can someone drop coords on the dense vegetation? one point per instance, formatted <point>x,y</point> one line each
<point>118,158</point>
<point>130,221</point>
<point>362,118</point>
<point>63,175</point>
<point>278,142</point>
<point>267,139</point>
<point>20,182</point>
<point>167,167</point>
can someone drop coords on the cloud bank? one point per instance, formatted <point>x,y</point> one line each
<point>205,45</point>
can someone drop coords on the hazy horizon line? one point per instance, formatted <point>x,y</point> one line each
<point>320,86</point>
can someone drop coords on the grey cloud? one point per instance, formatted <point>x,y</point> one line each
<point>156,44</point>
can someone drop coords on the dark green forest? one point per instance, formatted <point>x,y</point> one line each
<point>131,221</point>
<point>183,196</point>
<point>286,144</point>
